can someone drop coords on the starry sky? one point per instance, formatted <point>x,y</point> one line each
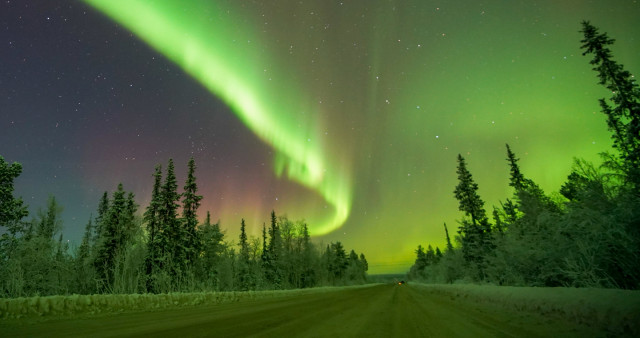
<point>348,114</point>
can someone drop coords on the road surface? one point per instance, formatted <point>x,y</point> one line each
<point>385,310</point>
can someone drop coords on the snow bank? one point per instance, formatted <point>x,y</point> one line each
<point>617,311</point>
<point>96,304</point>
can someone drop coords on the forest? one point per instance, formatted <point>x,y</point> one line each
<point>588,235</point>
<point>166,249</point>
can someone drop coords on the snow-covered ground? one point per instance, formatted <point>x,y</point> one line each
<point>96,304</point>
<point>439,309</point>
<point>610,309</point>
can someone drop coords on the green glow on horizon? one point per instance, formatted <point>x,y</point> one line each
<point>210,53</point>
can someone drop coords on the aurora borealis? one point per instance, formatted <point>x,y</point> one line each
<point>349,114</point>
<point>207,56</point>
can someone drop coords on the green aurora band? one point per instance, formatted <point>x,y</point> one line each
<point>210,52</point>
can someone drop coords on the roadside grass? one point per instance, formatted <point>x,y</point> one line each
<point>616,311</point>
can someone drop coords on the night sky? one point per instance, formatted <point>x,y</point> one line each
<point>349,114</point>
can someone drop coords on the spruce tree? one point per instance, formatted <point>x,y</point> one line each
<point>154,229</point>
<point>354,268</point>
<point>421,260</point>
<point>326,261</point>
<point>365,264</point>
<point>510,210</point>
<point>474,233</point>
<point>245,278</point>
<point>207,219</point>
<point>84,271</point>
<point>265,249</point>
<point>438,254</point>
<point>50,222</point>
<point>339,262</point>
<point>12,209</point>
<point>466,194</point>
<point>517,179</point>
<point>84,250</point>
<point>274,273</point>
<point>244,243</point>
<point>430,255</point>
<point>497,219</point>
<point>530,198</point>
<point>118,226</point>
<point>623,118</point>
<point>308,273</point>
<point>171,239</point>
<point>190,204</point>
<point>274,237</point>
<point>446,232</point>
<point>620,257</point>
<point>212,249</point>
<point>103,209</point>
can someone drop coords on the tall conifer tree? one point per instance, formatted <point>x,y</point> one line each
<point>117,230</point>
<point>103,209</point>
<point>171,238</point>
<point>274,253</point>
<point>265,249</point>
<point>474,234</point>
<point>244,243</point>
<point>623,118</point>
<point>85,245</point>
<point>466,193</point>
<point>190,204</point>
<point>449,245</point>
<point>275,241</point>
<point>517,179</point>
<point>154,228</point>
<point>12,210</point>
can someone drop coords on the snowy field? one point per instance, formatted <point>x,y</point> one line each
<point>376,310</point>
<point>613,310</point>
<point>395,310</point>
<point>58,306</point>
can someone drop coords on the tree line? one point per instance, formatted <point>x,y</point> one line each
<point>588,235</point>
<point>166,249</point>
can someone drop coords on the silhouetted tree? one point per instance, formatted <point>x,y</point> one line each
<point>308,277</point>
<point>446,232</point>
<point>190,204</point>
<point>103,209</point>
<point>12,209</point>
<point>474,233</point>
<point>84,269</point>
<point>338,263</point>
<point>172,237</point>
<point>466,194</point>
<point>273,266</point>
<point>244,243</point>
<point>155,229</point>
<point>84,250</point>
<point>623,118</point>
<point>212,249</point>
<point>50,223</point>
<point>420,263</point>
<point>117,230</point>
<point>265,249</point>
<point>438,255</point>
<point>243,268</point>
<point>365,264</point>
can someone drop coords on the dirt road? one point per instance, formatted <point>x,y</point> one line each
<point>378,311</point>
